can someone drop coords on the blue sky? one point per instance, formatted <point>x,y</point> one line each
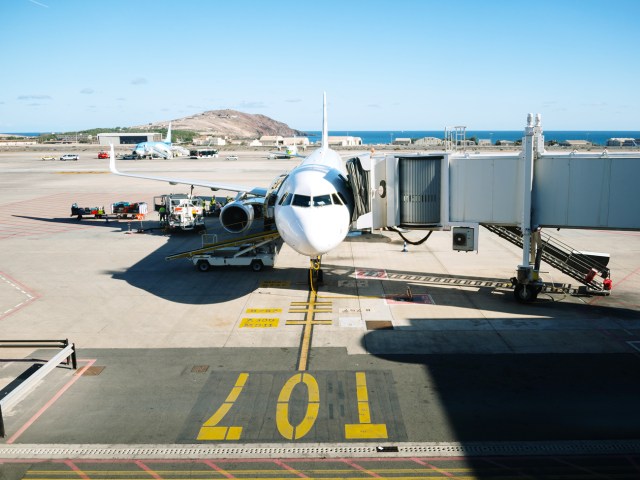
<point>401,65</point>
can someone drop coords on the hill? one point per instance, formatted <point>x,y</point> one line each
<point>228,123</point>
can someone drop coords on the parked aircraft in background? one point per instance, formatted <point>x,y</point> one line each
<point>287,153</point>
<point>312,205</point>
<point>161,149</point>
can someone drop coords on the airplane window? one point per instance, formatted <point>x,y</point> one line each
<point>321,200</point>
<point>301,201</point>
<point>284,197</point>
<point>336,199</point>
<point>288,200</point>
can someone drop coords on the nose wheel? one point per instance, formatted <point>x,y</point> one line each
<point>316,275</point>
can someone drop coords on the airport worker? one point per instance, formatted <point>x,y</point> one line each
<point>163,213</point>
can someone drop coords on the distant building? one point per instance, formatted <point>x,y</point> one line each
<point>484,142</point>
<point>208,140</point>
<point>274,140</point>
<point>255,143</point>
<point>575,143</point>
<point>346,141</point>
<point>127,138</point>
<point>402,141</point>
<point>623,142</point>
<point>505,143</point>
<point>289,141</point>
<point>429,142</point>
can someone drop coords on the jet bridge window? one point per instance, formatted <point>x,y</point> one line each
<point>301,201</point>
<point>321,200</point>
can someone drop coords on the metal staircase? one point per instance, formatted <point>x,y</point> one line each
<point>559,255</point>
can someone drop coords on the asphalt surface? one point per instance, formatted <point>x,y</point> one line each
<point>215,363</point>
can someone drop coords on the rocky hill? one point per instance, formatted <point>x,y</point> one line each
<point>229,123</point>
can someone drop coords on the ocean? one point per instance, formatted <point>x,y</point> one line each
<point>387,136</point>
<point>378,137</point>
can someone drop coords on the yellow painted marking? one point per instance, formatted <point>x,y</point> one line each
<point>364,429</point>
<point>263,310</point>
<point>275,284</point>
<point>304,322</point>
<point>288,431</point>
<point>259,322</point>
<point>210,429</point>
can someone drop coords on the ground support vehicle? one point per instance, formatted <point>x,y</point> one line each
<point>70,156</point>
<point>182,212</point>
<point>88,212</point>
<point>257,250</point>
<point>256,256</point>
<point>129,210</point>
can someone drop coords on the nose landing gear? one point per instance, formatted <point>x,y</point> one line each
<point>316,275</point>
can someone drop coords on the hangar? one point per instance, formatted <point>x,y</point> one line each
<point>127,138</point>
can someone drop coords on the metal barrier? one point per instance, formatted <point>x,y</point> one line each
<point>67,353</point>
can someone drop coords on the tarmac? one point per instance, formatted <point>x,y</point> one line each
<point>423,352</point>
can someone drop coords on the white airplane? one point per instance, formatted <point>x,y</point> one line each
<point>313,205</point>
<point>290,151</point>
<point>162,149</point>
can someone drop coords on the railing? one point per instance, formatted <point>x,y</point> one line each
<point>67,352</point>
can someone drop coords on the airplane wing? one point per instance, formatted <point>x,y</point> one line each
<point>259,191</point>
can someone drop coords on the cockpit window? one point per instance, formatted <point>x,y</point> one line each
<point>301,201</point>
<point>321,200</point>
<point>284,197</point>
<point>287,201</point>
<point>336,199</point>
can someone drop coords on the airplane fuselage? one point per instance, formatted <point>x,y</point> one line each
<point>314,204</point>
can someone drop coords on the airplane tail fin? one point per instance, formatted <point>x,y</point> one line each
<point>168,139</point>
<point>325,132</point>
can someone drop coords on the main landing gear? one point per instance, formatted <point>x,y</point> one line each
<point>316,275</point>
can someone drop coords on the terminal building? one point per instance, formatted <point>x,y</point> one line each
<point>127,138</point>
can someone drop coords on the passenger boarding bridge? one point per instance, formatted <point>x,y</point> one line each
<point>513,194</point>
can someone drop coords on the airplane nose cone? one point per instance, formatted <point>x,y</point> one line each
<point>313,232</point>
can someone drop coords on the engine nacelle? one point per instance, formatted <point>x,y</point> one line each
<point>237,217</point>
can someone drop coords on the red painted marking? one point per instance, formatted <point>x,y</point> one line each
<point>221,471</point>
<point>76,469</point>
<point>433,467</point>
<point>354,465</point>
<point>45,407</point>
<point>370,273</point>
<point>281,464</point>
<point>34,296</point>
<point>148,470</point>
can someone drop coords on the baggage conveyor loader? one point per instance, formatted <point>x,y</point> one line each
<point>257,251</point>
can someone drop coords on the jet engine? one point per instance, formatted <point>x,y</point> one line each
<point>238,216</point>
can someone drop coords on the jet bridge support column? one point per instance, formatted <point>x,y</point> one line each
<point>528,285</point>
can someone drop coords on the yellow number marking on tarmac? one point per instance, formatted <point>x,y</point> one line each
<point>210,429</point>
<point>364,429</point>
<point>288,431</point>
<point>264,310</point>
<point>259,322</point>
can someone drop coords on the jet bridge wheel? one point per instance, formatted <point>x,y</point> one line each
<point>526,293</point>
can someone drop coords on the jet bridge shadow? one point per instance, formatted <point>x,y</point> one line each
<point>489,382</point>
